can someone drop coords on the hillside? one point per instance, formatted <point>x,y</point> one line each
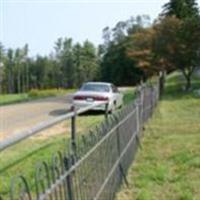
<point>168,164</point>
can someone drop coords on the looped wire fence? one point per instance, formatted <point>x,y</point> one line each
<point>98,165</point>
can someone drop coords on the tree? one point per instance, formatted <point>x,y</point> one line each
<point>78,63</point>
<point>67,63</point>
<point>116,65</point>
<point>19,62</point>
<point>181,9</point>
<point>56,59</point>
<point>26,68</point>
<point>2,57</point>
<point>89,62</point>
<point>170,44</point>
<point>178,43</point>
<point>10,71</point>
<point>77,55</point>
<point>2,52</point>
<point>140,50</point>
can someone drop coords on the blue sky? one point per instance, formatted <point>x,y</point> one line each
<point>40,22</point>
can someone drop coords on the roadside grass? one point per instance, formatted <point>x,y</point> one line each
<point>129,95</point>
<point>23,157</point>
<point>34,94</point>
<point>168,164</point>
<point>13,98</point>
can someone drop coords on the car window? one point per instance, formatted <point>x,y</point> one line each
<point>95,87</point>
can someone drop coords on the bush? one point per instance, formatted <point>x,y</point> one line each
<point>34,93</point>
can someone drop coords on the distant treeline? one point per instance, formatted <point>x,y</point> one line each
<point>132,51</point>
<point>70,64</point>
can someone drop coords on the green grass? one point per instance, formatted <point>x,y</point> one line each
<point>129,95</point>
<point>22,158</point>
<point>6,99</point>
<point>13,98</point>
<point>168,164</point>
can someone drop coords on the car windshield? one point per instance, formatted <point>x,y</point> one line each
<point>95,87</point>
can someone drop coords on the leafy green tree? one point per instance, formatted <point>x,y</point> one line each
<point>19,68</point>
<point>178,43</point>
<point>26,68</point>
<point>116,65</point>
<point>140,50</point>
<point>88,61</point>
<point>170,44</point>
<point>10,71</point>
<point>67,63</point>
<point>77,56</point>
<point>181,9</point>
<point>2,52</point>
<point>56,59</point>
<point>2,59</point>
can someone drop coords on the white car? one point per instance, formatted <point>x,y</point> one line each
<point>93,92</point>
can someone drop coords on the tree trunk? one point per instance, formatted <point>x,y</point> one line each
<point>10,81</point>
<point>162,82</point>
<point>1,80</point>
<point>188,75</point>
<point>27,77</point>
<point>188,83</point>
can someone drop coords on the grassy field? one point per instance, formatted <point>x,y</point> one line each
<point>168,164</point>
<point>32,95</point>
<point>21,158</point>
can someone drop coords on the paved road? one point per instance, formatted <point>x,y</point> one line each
<point>21,116</point>
<point>15,118</point>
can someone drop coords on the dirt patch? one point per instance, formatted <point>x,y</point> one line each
<point>60,129</point>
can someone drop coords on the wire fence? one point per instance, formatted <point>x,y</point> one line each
<point>93,166</point>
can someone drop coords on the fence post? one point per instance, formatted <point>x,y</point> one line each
<point>158,89</point>
<point>73,129</point>
<point>142,104</point>
<point>123,175</point>
<point>138,117</point>
<point>67,165</point>
<point>152,99</point>
<point>106,111</point>
<point>138,121</point>
<point>139,104</point>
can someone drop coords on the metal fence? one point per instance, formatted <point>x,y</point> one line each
<point>93,166</point>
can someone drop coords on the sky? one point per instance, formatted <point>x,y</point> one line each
<point>41,22</point>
